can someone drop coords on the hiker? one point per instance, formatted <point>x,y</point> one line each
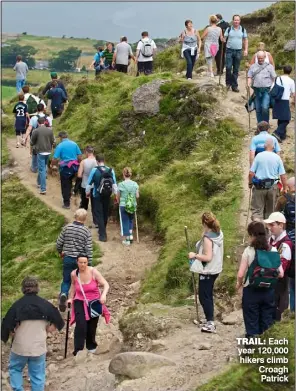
<point>123,52</point>
<point>29,320</point>
<point>281,108</point>
<point>220,62</point>
<point>211,35</point>
<point>209,251</point>
<point>191,45</point>
<point>107,57</point>
<point>75,239</point>
<point>235,36</point>
<point>265,172</point>
<point>286,204</point>
<point>257,303</point>
<point>127,194</point>
<point>276,224</point>
<point>32,101</point>
<point>54,77</point>
<point>96,63</point>
<point>42,141</point>
<point>260,78</point>
<point>58,98</point>
<point>21,119</point>
<point>33,124</point>
<point>267,56</point>
<point>85,292</point>
<point>102,183</point>
<point>146,49</point>
<point>69,156</point>
<point>21,69</point>
<point>86,165</point>
<point>258,141</point>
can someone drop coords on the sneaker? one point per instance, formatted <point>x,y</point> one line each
<point>17,145</point>
<point>235,89</point>
<point>93,351</point>
<point>126,242</point>
<point>38,186</point>
<point>131,239</point>
<point>62,302</point>
<point>43,192</point>
<point>209,327</point>
<point>277,137</point>
<point>189,78</point>
<point>212,74</point>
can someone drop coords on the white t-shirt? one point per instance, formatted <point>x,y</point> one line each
<point>141,45</point>
<point>288,84</point>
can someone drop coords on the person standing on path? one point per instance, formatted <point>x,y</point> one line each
<point>54,77</point>
<point>107,57</point>
<point>265,172</point>
<point>236,36</point>
<point>96,63</point>
<point>102,183</point>
<point>32,101</point>
<point>258,141</point>
<point>191,45</point>
<point>69,155</point>
<point>85,288</point>
<point>29,320</point>
<point>58,98</point>
<point>209,251</point>
<point>84,171</point>
<point>128,192</point>
<point>21,118</point>
<point>268,57</point>
<point>42,141</point>
<point>220,63</point>
<point>146,49</point>
<point>21,69</point>
<point>74,240</point>
<point>123,52</point>
<point>261,76</point>
<point>211,35</point>
<point>281,109</point>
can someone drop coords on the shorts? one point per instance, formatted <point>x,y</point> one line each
<point>121,68</point>
<point>19,132</point>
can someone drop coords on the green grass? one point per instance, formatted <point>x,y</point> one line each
<point>7,93</point>
<point>29,233</point>
<point>246,377</point>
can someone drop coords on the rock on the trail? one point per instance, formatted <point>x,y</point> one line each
<point>157,344</point>
<point>52,368</point>
<point>235,317</point>
<point>290,46</point>
<point>81,356</point>
<point>204,346</point>
<point>137,364</point>
<point>146,98</point>
<point>201,69</point>
<point>135,287</point>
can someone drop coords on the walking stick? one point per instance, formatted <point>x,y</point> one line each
<point>137,230</point>
<point>248,93</point>
<point>67,330</point>
<point>193,278</point>
<point>121,229</point>
<point>248,214</point>
<point>221,58</point>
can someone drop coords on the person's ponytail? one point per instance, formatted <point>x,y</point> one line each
<point>210,220</point>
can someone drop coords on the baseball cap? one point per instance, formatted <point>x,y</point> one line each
<point>275,217</point>
<point>53,75</point>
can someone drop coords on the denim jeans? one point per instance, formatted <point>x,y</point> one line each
<point>233,59</point>
<point>262,101</point>
<point>205,294</point>
<point>41,177</point>
<point>69,264</point>
<point>292,294</point>
<point>19,85</point>
<point>190,62</point>
<point>127,222</point>
<point>34,164</point>
<point>36,371</point>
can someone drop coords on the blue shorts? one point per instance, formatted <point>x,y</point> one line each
<point>19,132</point>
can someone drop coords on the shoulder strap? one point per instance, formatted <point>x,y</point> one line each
<point>80,285</point>
<point>281,81</point>
<point>259,70</point>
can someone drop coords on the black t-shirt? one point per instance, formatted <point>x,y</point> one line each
<point>20,110</point>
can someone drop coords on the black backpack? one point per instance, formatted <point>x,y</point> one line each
<point>228,31</point>
<point>106,182</point>
<point>291,269</point>
<point>289,211</point>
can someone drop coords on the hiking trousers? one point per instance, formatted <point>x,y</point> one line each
<point>281,129</point>
<point>281,297</point>
<point>85,201</point>
<point>263,202</point>
<point>66,176</point>
<point>190,60</point>
<point>258,309</point>
<point>85,330</point>
<point>69,264</point>
<point>101,214</point>
<point>127,222</point>
<point>205,294</point>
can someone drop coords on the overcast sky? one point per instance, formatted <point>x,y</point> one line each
<point>110,20</point>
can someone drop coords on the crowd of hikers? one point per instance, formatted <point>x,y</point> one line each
<point>267,268</point>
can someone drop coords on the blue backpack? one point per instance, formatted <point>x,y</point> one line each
<point>289,212</point>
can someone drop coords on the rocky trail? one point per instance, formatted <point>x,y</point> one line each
<point>194,357</point>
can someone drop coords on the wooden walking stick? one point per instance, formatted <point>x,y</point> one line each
<point>248,92</point>
<point>193,278</point>
<point>137,230</point>
<point>67,330</point>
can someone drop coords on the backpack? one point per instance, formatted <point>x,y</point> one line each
<point>130,203</point>
<point>147,50</point>
<point>106,182</point>
<point>263,271</point>
<point>32,104</point>
<point>46,122</point>
<point>289,212</point>
<point>290,272</point>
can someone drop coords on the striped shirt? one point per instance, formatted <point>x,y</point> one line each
<point>74,240</point>
<point>108,56</point>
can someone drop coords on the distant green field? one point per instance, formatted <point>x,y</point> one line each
<point>7,92</point>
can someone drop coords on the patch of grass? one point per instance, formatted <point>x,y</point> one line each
<point>246,377</point>
<point>7,93</point>
<point>29,233</point>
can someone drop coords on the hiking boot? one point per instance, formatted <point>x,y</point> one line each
<point>228,86</point>
<point>102,239</point>
<point>62,302</point>
<point>209,327</point>
<point>235,89</point>
<point>126,242</point>
<point>277,137</point>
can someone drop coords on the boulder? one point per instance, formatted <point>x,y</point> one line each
<point>290,46</point>
<point>235,317</point>
<point>146,98</point>
<point>137,364</point>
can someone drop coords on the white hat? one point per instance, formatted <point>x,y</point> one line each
<point>275,217</point>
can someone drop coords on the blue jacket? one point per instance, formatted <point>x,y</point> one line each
<point>58,97</point>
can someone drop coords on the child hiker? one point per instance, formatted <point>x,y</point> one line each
<point>21,119</point>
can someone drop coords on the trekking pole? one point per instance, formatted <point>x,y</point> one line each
<point>248,214</point>
<point>121,229</point>
<point>137,230</point>
<point>221,58</point>
<point>193,278</point>
<point>67,330</point>
<point>248,93</point>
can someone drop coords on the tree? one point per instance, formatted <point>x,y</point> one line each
<point>83,69</point>
<point>65,59</point>
<point>9,54</point>
<point>25,33</point>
